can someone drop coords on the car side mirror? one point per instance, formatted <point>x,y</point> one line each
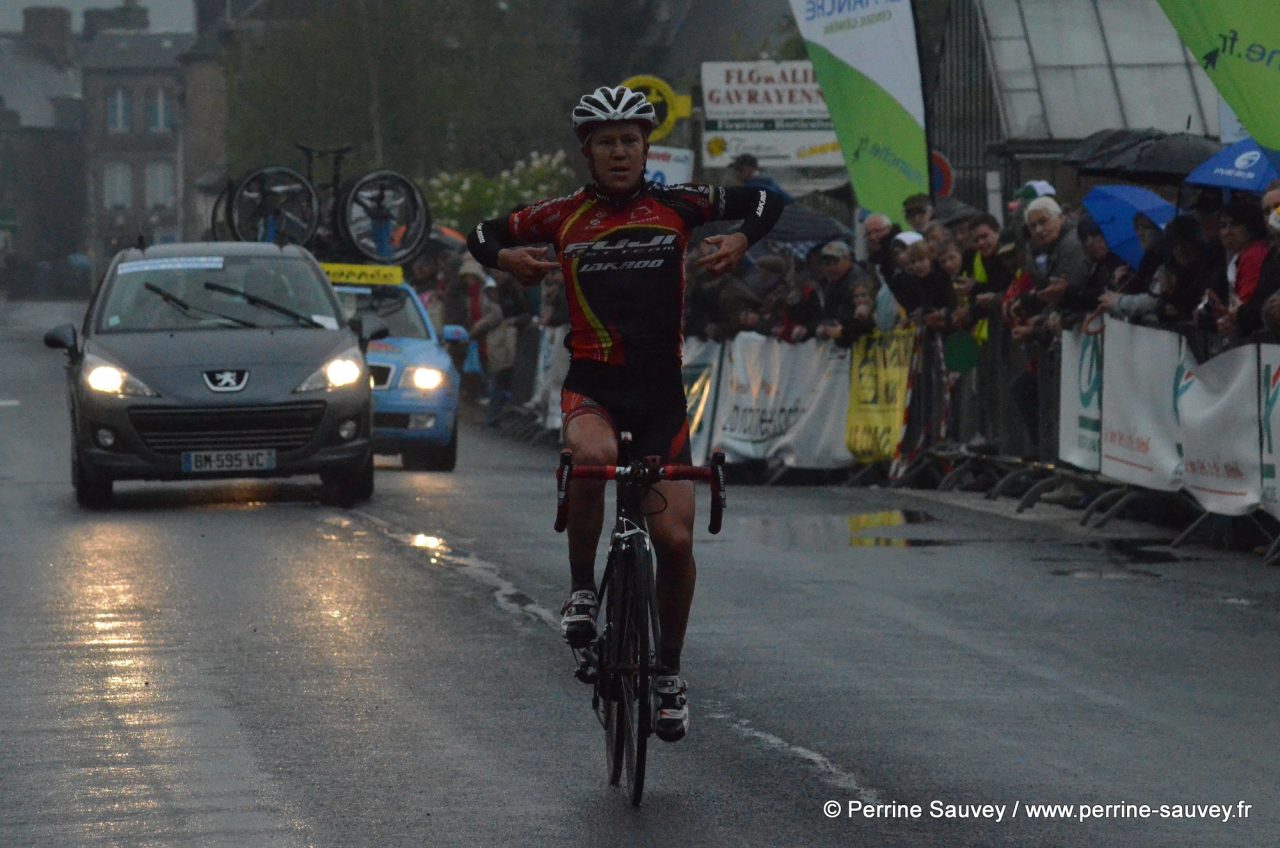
<point>62,336</point>
<point>455,333</point>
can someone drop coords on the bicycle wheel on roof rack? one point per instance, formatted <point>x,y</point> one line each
<point>274,204</point>
<point>384,217</point>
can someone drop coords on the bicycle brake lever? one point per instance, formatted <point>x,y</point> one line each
<point>563,473</point>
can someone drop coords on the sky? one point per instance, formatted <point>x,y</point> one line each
<point>166,15</point>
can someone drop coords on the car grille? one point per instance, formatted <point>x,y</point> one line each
<point>173,430</point>
<point>391,419</point>
<point>380,376</point>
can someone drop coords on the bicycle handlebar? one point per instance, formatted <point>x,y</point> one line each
<point>648,471</point>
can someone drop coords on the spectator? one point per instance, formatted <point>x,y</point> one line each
<point>837,273</point>
<point>1243,232</point>
<point>918,210</point>
<point>880,232</point>
<point>746,169</point>
<point>505,312</point>
<point>936,234</point>
<point>858,317</point>
<point>922,288</point>
<point>1104,266</point>
<point>1055,259</point>
<point>984,274</point>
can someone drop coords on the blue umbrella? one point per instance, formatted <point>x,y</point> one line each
<point>1241,167</point>
<point>1113,208</point>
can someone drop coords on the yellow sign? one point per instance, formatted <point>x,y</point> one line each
<point>878,394</point>
<point>363,275</point>
<point>670,106</point>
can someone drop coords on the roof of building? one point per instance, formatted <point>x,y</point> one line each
<point>117,50</point>
<point>29,82</point>
<point>1065,69</point>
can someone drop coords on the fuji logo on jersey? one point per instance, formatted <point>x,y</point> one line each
<point>623,243</point>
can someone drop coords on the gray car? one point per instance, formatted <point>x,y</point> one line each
<point>218,360</point>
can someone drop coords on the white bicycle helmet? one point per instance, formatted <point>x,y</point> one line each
<point>613,104</point>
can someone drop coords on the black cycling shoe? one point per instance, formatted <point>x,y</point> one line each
<point>670,708</point>
<point>578,618</point>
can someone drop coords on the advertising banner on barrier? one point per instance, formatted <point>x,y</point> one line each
<point>1080,401</point>
<point>1141,377</point>
<point>784,402</point>
<point>1218,421</point>
<point>1268,395</point>
<point>878,394</point>
<point>700,369</point>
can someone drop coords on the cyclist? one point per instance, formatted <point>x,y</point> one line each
<point>620,242</point>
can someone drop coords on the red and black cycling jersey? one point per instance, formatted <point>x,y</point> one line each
<point>623,260</point>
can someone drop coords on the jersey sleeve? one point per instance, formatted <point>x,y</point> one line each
<point>757,208</point>
<point>534,224</point>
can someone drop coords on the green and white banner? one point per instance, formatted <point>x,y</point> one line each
<point>1238,45</point>
<point>864,52</point>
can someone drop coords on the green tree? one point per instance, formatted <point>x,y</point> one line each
<point>419,86</point>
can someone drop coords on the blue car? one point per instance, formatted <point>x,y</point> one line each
<point>415,383</point>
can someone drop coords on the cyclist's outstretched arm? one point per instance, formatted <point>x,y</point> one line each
<point>494,245</point>
<point>758,208</point>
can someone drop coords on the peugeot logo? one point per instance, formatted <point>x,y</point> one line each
<point>226,381</point>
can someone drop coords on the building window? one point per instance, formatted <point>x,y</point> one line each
<point>119,110</point>
<point>117,185</point>
<point>159,111</point>
<point>160,185</point>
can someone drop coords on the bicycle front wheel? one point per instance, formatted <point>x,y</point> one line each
<point>635,708</point>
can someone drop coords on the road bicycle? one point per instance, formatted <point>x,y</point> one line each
<point>379,216</point>
<point>621,661</point>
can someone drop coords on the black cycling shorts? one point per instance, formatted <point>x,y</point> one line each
<point>647,402</point>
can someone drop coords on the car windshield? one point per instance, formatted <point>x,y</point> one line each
<point>391,304</point>
<point>209,292</point>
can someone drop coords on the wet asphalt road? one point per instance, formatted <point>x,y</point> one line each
<point>235,664</point>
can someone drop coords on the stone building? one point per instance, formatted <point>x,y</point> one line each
<point>132,89</point>
<point>41,173</point>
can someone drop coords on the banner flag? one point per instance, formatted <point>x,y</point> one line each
<point>1080,401</point>
<point>786,402</point>
<point>1223,474</point>
<point>868,65</point>
<point>1236,42</point>
<point>1142,375</point>
<point>878,394</point>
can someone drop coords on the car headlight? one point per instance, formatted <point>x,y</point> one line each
<point>425,379</point>
<point>101,376</point>
<point>343,370</point>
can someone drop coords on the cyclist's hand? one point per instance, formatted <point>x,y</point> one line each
<point>527,264</point>
<point>728,250</point>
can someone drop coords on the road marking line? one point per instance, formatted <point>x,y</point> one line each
<point>10,403</point>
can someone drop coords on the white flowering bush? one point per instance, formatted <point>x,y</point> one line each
<point>461,199</point>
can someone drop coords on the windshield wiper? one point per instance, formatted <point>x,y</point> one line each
<point>188,309</point>
<point>263,303</point>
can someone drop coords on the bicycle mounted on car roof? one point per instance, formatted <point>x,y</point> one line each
<point>380,216</point>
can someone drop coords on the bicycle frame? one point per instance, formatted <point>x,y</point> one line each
<point>621,661</point>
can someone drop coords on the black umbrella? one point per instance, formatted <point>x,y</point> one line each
<point>1108,142</point>
<point>1160,161</point>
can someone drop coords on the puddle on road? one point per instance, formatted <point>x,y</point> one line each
<point>1126,551</point>
<point>1103,574</point>
<point>834,532</point>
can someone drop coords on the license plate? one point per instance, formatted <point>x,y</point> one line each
<point>197,462</point>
